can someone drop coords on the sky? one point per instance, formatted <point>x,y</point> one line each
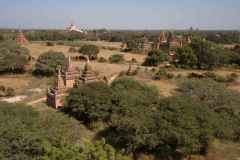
<point>121,14</point>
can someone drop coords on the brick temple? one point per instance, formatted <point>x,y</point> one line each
<point>70,78</point>
<point>20,37</point>
<point>166,44</point>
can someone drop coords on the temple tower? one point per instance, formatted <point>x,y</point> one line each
<point>144,44</point>
<point>87,75</point>
<point>57,93</point>
<point>162,37</point>
<point>170,37</point>
<point>69,74</point>
<point>191,28</point>
<point>20,37</point>
<point>130,71</point>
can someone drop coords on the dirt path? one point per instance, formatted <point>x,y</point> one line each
<point>37,100</point>
<point>112,78</point>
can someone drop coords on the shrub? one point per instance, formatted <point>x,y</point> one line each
<point>170,75</point>
<point>49,44</point>
<point>10,91</point>
<point>72,49</point>
<point>179,76</point>
<point>122,73</point>
<point>2,88</point>
<point>153,69</point>
<point>116,58</point>
<point>102,60</point>
<point>160,74</point>
<point>231,78</point>
<point>60,43</point>
<point>134,60</point>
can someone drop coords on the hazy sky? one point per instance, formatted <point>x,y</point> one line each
<point>121,14</point>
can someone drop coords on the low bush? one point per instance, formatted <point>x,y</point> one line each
<point>49,44</point>
<point>102,60</point>
<point>60,43</point>
<point>116,58</point>
<point>72,49</point>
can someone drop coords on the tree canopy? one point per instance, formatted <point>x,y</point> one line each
<point>89,50</point>
<point>11,46</point>
<point>48,63</point>
<point>155,56</point>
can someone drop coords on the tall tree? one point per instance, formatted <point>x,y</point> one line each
<point>89,50</point>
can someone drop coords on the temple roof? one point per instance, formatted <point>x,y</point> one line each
<point>69,67</point>
<point>191,28</point>
<point>162,37</point>
<point>72,24</point>
<point>170,36</point>
<point>59,84</point>
<point>88,67</point>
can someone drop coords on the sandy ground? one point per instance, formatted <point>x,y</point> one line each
<point>14,99</point>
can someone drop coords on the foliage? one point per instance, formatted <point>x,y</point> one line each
<point>162,74</point>
<point>115,58</point>
<point>10,91</point>
<point>90,151</point>
<point>23,130</point>
<point>12,62</point>
<point>134,60</point>
<point>90,50</point>
<point>102,60</point>
<point>10,46</point>
<point>213,94</point>
<point>49,44</point>
<point>206,58</point>
<point>155,56</point>
<point>90,103</point>
<point>72,49</point>
<point>49,62</point>
<point>60,43</point>
<point>131,45</point>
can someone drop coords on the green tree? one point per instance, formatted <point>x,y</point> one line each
<point>206,57</point>
<point>90,103</point>
<point>23,130</point>
<point>90,151</point>
<point>89,50</point>
<point>10,46</point>
<point>155,56</point>
<point>12,62</point>
<point>131,45</point>
<point>49,62</point>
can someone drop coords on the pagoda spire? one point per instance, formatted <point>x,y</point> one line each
<point>162,37</point>
<point>69,66</point>
<point>59,82</point>
<point>130,71</point>
<point>170,36</point>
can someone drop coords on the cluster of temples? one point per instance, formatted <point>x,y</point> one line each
<point>166,44</point>
<point>70,78</point>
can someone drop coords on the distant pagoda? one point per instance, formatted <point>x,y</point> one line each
<point>130,71</point>
<point>191,28</point>
<point>144,44</point>
<point>57,93</point>
<point>69,74</point>
<point>20,37</point>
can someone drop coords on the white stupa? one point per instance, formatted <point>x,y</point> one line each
<point>74,28</point>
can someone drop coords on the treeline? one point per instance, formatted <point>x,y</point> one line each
<point>218,36</point>
<point>138,120</point>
